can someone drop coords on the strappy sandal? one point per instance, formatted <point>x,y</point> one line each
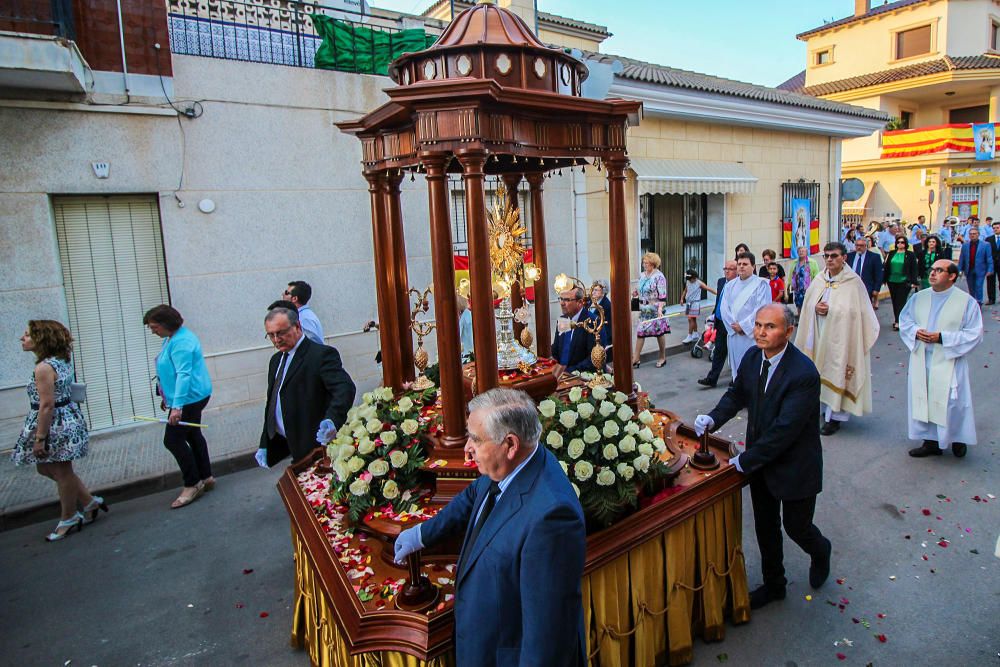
<point>93,509</point>
<point>208,484</point>
<point>184,502</point>
<point>661,364</point>
<point>75,521</point>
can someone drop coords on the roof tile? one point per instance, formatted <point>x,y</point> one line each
<point>948,63</point>
<point>637,70</point>
<point>874,11</point>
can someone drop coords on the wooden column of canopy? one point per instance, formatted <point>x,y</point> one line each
<point>488,99</point>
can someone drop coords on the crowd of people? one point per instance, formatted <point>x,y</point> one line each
<point>800,375</point>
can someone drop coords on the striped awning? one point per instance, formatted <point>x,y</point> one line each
<point>694,177</point>
<point>985,178</point>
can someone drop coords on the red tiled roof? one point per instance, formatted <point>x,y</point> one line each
<point>795,84</point>
<point>874,11</point>
<point>946,64</point>
<point>662,75</point>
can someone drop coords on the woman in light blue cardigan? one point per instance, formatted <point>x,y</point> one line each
<point>184,388</point>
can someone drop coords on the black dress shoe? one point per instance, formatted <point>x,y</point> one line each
<point>819,569</point>
<point>929,448</point>
<point>958,449</point>
<point>762,595</point>
<point>705,382</point>
<point>830,427</point>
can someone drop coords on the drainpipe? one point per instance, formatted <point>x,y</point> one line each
<point>121,35</point>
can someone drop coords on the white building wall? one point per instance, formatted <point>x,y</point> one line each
<point>290,204</point>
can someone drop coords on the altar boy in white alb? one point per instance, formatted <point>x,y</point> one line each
<point>941,326</point>
<point>742,297</point>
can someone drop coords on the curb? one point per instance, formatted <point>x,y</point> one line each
<point>31,513</point>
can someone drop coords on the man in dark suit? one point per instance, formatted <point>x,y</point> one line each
<point>517,584</point>
<point>991,279</point>
<point>572,345</point>
<point>779,386</point>
<point>721,351</point>
<point>976,262</point>
<point>868,265</point>
<point>306,383</point>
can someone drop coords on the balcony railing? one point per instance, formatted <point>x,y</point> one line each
<point>38,17</point>
<point>957,137</point>
<point>282,32</point>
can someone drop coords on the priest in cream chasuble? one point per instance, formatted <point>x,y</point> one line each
<point>837,330</point>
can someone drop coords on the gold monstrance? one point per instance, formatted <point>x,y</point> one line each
<point>507,261</point>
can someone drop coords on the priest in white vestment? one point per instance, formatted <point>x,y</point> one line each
<point>837,330</point>
<point>742,297</point>
<point>941,325</point>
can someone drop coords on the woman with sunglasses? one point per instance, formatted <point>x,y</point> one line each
<point>901,275</point>
<point>184,388</point>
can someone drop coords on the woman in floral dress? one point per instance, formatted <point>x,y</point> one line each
<point>55,432</point>
<point>803,271</point>
<point>652,295</point>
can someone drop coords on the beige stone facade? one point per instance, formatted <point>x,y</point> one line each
<point>952,79</point>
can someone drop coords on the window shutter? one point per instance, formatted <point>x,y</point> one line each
<point>111,250</point>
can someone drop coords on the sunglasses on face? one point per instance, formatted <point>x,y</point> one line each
<point>834,255</point>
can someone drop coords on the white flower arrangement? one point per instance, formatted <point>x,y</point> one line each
<point>607,449</point>
<point>377,454</point>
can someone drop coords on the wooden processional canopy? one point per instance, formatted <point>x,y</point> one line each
<point>488,98</point>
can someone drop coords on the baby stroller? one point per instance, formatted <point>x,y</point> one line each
<point>705,342</point>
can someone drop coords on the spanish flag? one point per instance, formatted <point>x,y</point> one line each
<point>786,237</point>
<point>924,140</point>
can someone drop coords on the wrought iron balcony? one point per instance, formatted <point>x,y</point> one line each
<point>288,32</point>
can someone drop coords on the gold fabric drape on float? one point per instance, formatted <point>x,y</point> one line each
<point>314,627</point>
<point>642,608</point>
<point>645,608</point>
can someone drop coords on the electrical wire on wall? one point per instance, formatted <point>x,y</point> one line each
<point>192,111</point>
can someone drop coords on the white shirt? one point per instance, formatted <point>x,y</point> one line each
<point>280,425</point>
<point>775,360</point>
<point>311,326</point>
<point>503,484</point>
<point>859,261</point>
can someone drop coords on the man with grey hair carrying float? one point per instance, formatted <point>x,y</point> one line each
<point>779,387</point>
<point>517,584</point>
<point>941,325</point>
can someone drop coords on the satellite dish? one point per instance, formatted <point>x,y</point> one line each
<point>851,189</point>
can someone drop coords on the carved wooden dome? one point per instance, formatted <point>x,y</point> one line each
<point>489,42</point>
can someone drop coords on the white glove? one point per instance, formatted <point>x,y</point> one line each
<point>407,542</point>
<point>703,423</point>
<point>261,456</point>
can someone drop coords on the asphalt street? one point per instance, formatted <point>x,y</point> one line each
<point>212,584</point>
